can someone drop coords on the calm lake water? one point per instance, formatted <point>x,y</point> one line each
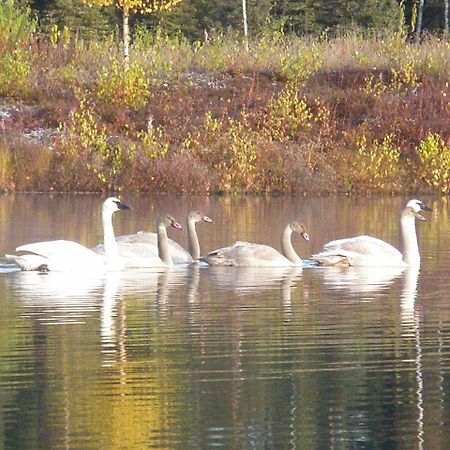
<point>236,358</point>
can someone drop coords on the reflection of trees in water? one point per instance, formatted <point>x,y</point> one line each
<point>251,358</point>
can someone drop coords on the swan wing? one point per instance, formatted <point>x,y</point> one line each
<point>139,255</point>
<point>150,241</point>
<point>62,255</point>
<point>246,254</point>
<point>359,251</point>
<point>57,249</point>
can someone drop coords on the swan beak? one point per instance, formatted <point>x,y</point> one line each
<point>207,219</point>
<point>176,225</point>
<point>420,217</point>
<point>305,236</point>
<point>424,207</point>
<point>122,205</point>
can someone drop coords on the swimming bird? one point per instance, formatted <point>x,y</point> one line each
<point>146,243</point>
<point>370,251</point>
<point>63,255</point>
<point>258,255</point>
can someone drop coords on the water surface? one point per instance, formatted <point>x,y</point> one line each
<point>225,357</point>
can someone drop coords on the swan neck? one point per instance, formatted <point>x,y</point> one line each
<point>163,244</point>
<point>411,255</point>
<point>286,246</point>
<point>193,244</point>
<point>109,240</point>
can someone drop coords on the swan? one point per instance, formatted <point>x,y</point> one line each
<point>177,253</point>
<point>140,254</point>
<point>257,255</point>
<point>62,255</point>
<point>370,251</point>
<point>147,242</point>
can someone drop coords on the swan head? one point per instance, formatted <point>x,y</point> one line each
<point>417,205</point>
<point>299,228</point>
<point>198,216</point>
<point>411,213</point>
<point>113,204</point>
<point>166,220</point>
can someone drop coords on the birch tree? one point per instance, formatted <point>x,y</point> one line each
<point>131,7</point>
<point>446,19</point>
<point>419,21</point>
<point>244,17</point>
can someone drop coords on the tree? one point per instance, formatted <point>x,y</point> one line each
<point>446,19</point>
<point>419,21</point>
<point>85,22</point>
<point>130,7</point>
<point>244,18</point>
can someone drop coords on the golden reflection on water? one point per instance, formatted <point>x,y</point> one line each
<point>238,357</point>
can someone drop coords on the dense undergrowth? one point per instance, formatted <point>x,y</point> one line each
<point>354,113</point>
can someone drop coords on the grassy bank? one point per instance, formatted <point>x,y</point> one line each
<point>353,113</point>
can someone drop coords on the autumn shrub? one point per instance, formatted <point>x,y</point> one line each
<point>434,162</point>
<point>229,146</point>
<point>17,26</point>
<point>84,138</point>
<point>288,114</point>
<point>376,164</point>
<point>15,70</point>
<point>299,67</point>
<point>164,57</point>
<point>124,86</point>
<point>404,78</point>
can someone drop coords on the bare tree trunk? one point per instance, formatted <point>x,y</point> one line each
<point>419,21</point>
<point>126,36</point>
<point>446,19</point>
<point>244,16</point>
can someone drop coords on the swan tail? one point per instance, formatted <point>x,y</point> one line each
<point>217,260</point>
<point>29,262</point>
<point>332,259</point>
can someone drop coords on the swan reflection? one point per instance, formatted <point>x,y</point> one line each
<point>57,296</point>
<point>410,321</point>
<point>249,279</point>
<point>360,280</point>
<point>150,286</point>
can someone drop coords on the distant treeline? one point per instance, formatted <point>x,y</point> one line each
<point>191,17</point>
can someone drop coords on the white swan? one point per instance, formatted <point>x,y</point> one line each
<point>370,251</point>
<point>149,240</point>
<point>257,255</point>
<point>62,255</point>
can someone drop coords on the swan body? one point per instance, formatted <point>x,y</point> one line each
<point>370,251</point>
<point>141,255</point>
<point>62,255</point>
<point>145,243</point>
<point>258,255</point>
